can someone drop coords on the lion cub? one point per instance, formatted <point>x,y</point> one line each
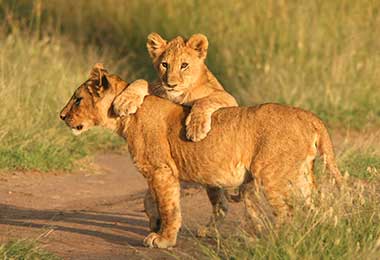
<point>183,78</point>
<point>271,155</point>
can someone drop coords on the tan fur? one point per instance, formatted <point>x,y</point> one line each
<point>183,79</point>
<point>268,150</point>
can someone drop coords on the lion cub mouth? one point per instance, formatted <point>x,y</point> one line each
<point>174,92</point>
<point>77,130</point>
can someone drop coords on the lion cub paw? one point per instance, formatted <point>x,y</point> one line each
<point>130,99</point>
<point>197,126</point>
<point>156,240</point>
<point>126,104</point>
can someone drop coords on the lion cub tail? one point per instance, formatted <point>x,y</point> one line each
<point>326,150</point>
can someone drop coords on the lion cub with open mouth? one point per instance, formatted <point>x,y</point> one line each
<point>183,79</point>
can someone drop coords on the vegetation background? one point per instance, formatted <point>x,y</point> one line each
<point>319,55</point>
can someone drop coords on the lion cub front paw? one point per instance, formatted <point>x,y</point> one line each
<point>131,98</point>
<point>126,104</point>
<point>197,126</point>
<point>156,240</point>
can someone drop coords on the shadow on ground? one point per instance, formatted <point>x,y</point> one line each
<point>57,220</point>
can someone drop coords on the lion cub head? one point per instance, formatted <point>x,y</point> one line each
<point>179,62</point>
<point>91,103</point>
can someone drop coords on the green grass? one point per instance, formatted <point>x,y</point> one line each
<point>363,165</point>
<point>24,250</point>
<point>319,55</point>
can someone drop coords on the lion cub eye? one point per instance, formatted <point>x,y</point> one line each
<point>164,64</point>
<point>184,65</point>
<point>77,101</point>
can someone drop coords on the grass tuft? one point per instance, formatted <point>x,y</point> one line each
<point>25,250</point>
<point>363,165</point>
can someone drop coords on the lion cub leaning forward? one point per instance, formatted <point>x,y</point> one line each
<point>183,79</point>
<point>271,150</point>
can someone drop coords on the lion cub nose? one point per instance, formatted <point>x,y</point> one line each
<point>62,116</point>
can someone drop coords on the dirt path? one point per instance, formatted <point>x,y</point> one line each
<point>95,215</point>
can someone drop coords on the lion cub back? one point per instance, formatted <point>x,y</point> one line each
<point>238,134</point>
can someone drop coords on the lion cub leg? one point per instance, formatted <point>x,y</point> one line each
<point>259,211</point>
<point>151,211</point>
<point>218,201</point>
<point>166,189</point>
<point>219,208</point>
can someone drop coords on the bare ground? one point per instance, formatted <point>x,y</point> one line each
<point>96,215</point>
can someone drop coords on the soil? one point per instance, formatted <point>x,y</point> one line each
<point>98,214</point>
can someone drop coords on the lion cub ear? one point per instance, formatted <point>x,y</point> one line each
<point>156,45</point>
<point>98,74</point>
<point>199,43</point>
